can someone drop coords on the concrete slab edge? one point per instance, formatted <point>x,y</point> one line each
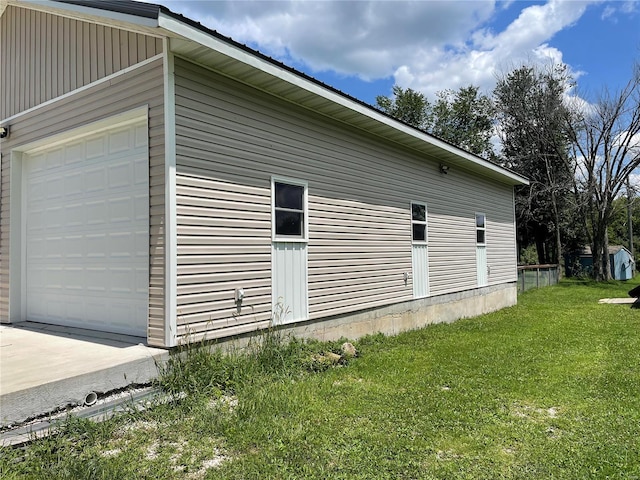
<point>21,406</point>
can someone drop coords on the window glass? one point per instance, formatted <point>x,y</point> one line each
<point>480,220</point>
<point>289,196</point>
<point>289,223</point>
<point>419,232</point>
<point>480,236</point>
<point>418,212</point>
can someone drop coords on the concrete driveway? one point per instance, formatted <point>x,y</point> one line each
<point>44,368</point>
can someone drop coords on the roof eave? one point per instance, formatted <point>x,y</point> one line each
<point>389,128</point>
<point>85,10</point>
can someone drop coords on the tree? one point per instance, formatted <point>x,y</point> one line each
<point>463,117</point>
<point>618,230</point>
<point>606,140</point>
<point>534,129</point>
<point>408,106</point>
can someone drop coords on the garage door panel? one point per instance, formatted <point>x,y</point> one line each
<point>87,216</point>
<point>74,153</point>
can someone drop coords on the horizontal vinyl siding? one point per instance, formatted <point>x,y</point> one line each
<point>44,56</point>
<point>221,230</point>
<point>142,86</point>
<point>232,139</point>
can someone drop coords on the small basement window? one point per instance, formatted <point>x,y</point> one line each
<point>480,229</point>
<point>289,205</point>
<point>418,222</point>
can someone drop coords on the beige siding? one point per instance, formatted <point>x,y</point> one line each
<point>141,86</point>
<point>44,56</point>
<point>232,139</point>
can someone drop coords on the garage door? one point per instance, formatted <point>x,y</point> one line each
<point>86,211</point>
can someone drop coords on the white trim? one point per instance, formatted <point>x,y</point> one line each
<point>515,234</point>
<point>483,228</point>
<point>420,222</point>
<point>305,206</point>
<point>17,254</point>
<point>119,120</point>
<point>85,87</point>
<point>170,224</point>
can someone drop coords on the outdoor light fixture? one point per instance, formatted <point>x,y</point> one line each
<point>4,132</point>
<point>444,169</point>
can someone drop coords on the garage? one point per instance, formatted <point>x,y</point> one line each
<point>85,211</point>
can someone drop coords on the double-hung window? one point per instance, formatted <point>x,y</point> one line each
<point>289,203</point>
<point>481,229</point>
<point>419,222</point>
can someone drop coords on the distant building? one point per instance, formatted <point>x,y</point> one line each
<point>623,266</point>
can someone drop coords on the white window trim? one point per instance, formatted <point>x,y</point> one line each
<point>484,229</point>
<point>420,222</point>
<point>305,208</point>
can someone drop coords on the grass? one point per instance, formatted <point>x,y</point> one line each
<point>545,389</point>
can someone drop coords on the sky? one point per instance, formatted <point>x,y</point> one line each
<point>363,48</point>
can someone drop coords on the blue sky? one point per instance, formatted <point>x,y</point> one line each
<point>365,47</point>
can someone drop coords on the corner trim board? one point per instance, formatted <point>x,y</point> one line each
<point>170,224</point>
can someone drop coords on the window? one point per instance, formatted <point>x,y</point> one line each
<point>480,229</point>
<point>419,222</point>
<point>289,202</point>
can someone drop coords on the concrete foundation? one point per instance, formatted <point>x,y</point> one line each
<point>401,317</point>
<point>396,318</point>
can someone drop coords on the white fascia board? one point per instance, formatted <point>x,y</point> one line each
<point>89,11</point>
<point>194,34</point>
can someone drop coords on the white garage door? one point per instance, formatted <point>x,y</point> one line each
<point>86,207</point>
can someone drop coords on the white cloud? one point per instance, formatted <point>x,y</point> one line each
<point>369,39</point>
<point>523,41</point>
<point>425,45</point>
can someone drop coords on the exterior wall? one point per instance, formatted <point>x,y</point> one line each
<point>44,56</point>
<point>138,87</point>
<point>230,140</point>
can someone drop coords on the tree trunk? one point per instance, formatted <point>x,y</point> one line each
<point>556,215</point>
<point>540,248</point>
<point>596,256</point>
<point>607,261</point>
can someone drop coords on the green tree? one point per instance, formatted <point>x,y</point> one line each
<point>606,141</point>
<point>406,105</point>
<point>465,118</point>
<point>534,129</point>
<point>619,226</point>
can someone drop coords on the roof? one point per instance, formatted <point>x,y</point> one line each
<point>613,249</point>
<point>197,42</point>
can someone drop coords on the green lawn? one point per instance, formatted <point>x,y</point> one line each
<point>546,389</point>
